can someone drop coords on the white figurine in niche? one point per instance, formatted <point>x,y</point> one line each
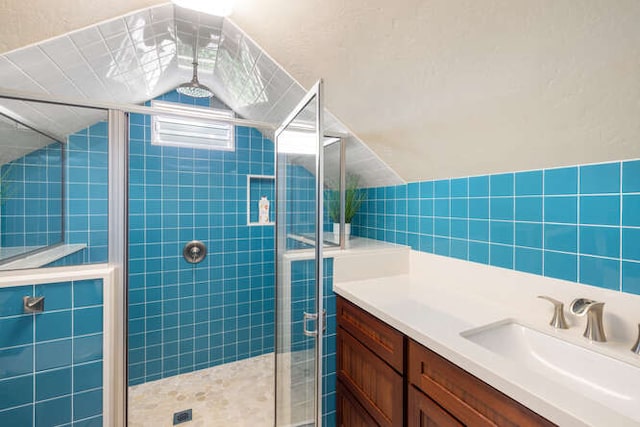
<point>263,210</point>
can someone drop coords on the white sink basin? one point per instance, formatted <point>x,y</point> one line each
<point>610,382</point>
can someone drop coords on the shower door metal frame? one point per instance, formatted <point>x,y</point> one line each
<point>316,92</point>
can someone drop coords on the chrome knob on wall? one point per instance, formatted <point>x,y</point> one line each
<point>194,251</point>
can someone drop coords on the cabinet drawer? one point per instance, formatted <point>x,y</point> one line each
<point>466,397</point>
<point>423,412</point>
<point>381,338</point>
<point>350,412</point>
<point>373,383</point>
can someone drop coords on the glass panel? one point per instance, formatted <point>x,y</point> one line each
<point>53,185</point>
<point>332,153</point>
<point>297,290</point>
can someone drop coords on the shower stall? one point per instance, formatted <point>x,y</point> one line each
<point>234,336</point>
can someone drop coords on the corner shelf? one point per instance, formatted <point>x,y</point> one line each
<point>258,186</point>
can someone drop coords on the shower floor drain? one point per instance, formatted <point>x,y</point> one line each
<point>182,417</point>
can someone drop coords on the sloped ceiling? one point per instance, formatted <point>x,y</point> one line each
<point>143,54</point>
<point>440,88</point>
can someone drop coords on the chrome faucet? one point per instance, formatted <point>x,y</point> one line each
<point>558,321</point>
<point>593,309</point>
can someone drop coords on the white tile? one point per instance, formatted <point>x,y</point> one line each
<point>85,37</point>
<point>112,28</point>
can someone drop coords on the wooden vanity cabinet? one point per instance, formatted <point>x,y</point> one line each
<point>387,379</point>
<point>370,369</point>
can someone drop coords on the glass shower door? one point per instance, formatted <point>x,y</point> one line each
<point>299,294</point>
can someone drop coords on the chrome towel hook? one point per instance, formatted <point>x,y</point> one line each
<point>33,304</point>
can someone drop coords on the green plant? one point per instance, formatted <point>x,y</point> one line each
<point>354,197</point>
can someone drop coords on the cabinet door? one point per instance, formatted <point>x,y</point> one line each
<point>376,386</point>
<point>382,339</point>
<point>424,412</point>
<point>350,412</point>
<point>469,399</point>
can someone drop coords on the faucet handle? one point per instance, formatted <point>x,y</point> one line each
<point>636,346</point>
<point>558,321</point>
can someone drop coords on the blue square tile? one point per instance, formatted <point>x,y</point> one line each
<point>459,228</point>
<point>87,376</point>
<point>501,185</point>
<point>529,235</point>
<point>479,186</point>
<point>479,208</point>
<point>426,189</point>
<point>87,321</point>
<point>11,300</point>
<point>600,210</point>
<point>57,295</point>
<point>458,208</point>
<point>501,256</point>
<point>441,227</point>
<point>87,293</point>
<point>16,331</point>
<point>561,209</point>
<point>441,188</point>
<point>479,252</point>
<point>53,383</point>
<point>17,417</point>
<point>16,361</point>
<point>479,230</point>
<point>502,208</point>
<point>529,260</point>
<point>50,326</point>
<point>601,241</point>
<point>631,176</point>
<point>16,391</point>
<point>599,179</point>
<point>459,187</point>
<point>459,249</point>
<point>529,209</point>
<point>441,207</point>
<point>501,232</point>
<point>601,272</point>
<point>426,225</point>
<point>561,266</point>
<point>413,190</point>
<point>441,246</point>
<point>631,210</point>
<point>53,354</point>
<point>631,243</point>
<point>561,181</point>
<point>529,183</point>
<point>631,277</point>
<point>53,412</point>
<point>562,238</point>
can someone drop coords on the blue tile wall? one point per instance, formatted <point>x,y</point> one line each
<point>51,363</point>
<point>302,300</point>
<point>31,209</point>
<point>86,218</point>
<point>184,317</point>
<point>578,223</point>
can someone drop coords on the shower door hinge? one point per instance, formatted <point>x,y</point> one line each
<point>313,316</point>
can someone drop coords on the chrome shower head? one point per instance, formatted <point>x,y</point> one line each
<point>194,88</point>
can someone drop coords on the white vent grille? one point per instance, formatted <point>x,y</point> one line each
<point>192,132</point>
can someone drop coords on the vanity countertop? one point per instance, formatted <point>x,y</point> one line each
<point>430,311</point>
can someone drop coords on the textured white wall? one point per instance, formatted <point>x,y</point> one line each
<point>438,88</point>
<point>442,88</point>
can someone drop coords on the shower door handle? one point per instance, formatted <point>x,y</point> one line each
<point>313,316</point>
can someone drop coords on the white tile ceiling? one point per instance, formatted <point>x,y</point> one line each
<point>142,55</point>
